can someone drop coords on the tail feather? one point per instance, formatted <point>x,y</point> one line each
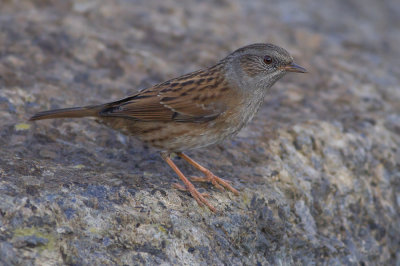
<point>68,112</point>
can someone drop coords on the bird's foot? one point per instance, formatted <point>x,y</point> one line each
<point>209,176</point>
<point>199,197</point>
<point>216,181</point>
<point>183,188</point>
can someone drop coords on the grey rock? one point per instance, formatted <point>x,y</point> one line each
<point>8,255</point>
<point>318,168</point>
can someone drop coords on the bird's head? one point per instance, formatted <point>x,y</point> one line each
<point>262,64</point>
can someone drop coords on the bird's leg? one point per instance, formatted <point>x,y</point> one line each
<point>189,186</point>
<point>209,176</point>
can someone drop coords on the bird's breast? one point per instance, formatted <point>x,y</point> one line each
<point>239,116</point>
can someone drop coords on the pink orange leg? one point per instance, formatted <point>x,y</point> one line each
<point>199,197</point>
<point>209,176</point>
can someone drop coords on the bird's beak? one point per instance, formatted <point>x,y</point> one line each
<point>294,68</point>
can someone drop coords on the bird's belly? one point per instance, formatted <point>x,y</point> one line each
<point>187,136</point>
<point>183,136</point>
<point>170,136</point>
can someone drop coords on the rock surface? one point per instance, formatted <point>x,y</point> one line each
<point>318,168</point>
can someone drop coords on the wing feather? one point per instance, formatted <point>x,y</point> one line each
<point>194,97</point>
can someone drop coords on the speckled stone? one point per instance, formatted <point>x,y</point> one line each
<point>318,169</point>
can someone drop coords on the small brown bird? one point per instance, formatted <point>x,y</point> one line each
<point>195,110</point>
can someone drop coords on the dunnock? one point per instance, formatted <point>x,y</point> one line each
<point>195,110</point>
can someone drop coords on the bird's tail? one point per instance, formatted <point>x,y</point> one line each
<point>69,112</point>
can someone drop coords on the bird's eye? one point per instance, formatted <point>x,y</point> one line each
<point>267,59</point>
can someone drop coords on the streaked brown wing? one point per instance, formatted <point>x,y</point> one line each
<point>195,97</point>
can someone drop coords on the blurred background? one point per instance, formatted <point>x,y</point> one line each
<point>318,167</point>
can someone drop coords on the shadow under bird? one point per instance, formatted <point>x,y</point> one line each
<point>195,110</point>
